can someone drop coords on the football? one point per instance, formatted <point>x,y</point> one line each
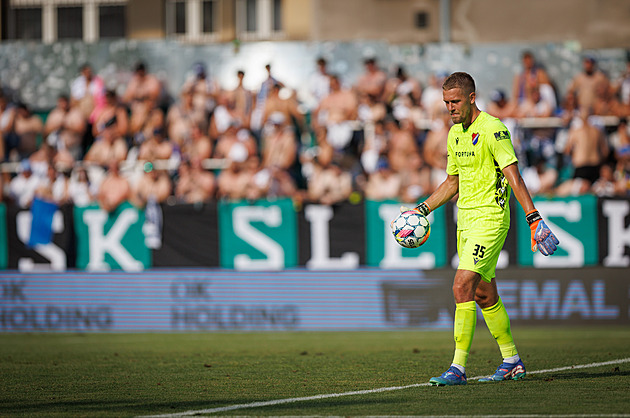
<point>410,229</point>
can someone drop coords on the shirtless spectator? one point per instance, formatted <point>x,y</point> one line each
<point>271,182</point>
<point>182,116</point>
<point>6,118</point>
<point>588,149</point>
<point>198,145</point>
<point>401,146</point>
<point>111,108</point>
<point>416,181</point>
<point>235,136</point>
<point>204,90</point>
<point>373,80</point>
<point>224,116</point>
<point>256,121</point>
<point>234,180</point>
<point>65,127</point>
<point>114,189</point>
<point>384,183</point>
<point>279,144</point>
<point>534,105</point>
<point>434,151</point>
<point>335,114</point>
<point>622,89</point>
<point>156,147</point>
<point>401,85</point>
<point>288,106</point>
<point>431,99</point>
<point>108,148</point>
<point>195,185</point>
<point>54,188</point>
<point>87,92</point>
<point>532,74</point>
<point>153,184</point>
<point>605,102</point>
<point>142,95</point>
<point>244,101</point>
<point>25,128</point>
<point>586,83</point>
<point>499,106</point>
<point>328,184</point>
<point>370,109</point>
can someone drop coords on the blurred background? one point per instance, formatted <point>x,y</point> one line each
<point>189,136</point>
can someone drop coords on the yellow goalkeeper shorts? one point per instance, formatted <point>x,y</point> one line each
<point>479,248</point>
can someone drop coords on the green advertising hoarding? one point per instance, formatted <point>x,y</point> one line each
<point>4,244</point>
<point>574,221</point>
<point>383,250</point>
<point>111,240</point>
<point>258,236</point>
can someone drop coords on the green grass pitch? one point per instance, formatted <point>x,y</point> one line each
<point>50,375</point>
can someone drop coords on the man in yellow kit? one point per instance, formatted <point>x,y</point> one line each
<point>483,169</point>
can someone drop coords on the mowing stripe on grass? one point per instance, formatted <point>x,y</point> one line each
<point>368,391</point>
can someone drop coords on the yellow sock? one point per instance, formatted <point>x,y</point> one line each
<point>463,330</point>
<point>498,323</point>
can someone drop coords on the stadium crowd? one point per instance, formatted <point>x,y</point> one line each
<point>382,137</point>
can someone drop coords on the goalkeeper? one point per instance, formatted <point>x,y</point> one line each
<point>482,167</point>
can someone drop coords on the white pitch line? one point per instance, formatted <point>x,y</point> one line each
<point>368,391</point>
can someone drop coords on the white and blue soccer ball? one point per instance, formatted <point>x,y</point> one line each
<point>411,229</point>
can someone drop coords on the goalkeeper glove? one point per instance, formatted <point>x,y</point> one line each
<point>423,209</point>
<point>542,237</point>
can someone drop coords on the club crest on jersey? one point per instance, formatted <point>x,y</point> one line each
<point>475,139</point>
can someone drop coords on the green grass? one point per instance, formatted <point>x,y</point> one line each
<point>135,374</point>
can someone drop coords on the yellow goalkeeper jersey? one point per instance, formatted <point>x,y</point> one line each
<point>478,155</point>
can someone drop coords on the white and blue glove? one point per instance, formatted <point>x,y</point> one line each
<point>542,238</point>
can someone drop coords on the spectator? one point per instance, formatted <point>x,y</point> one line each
<point>540,175</point>
<point>181,118</point>
<point>586,83</point>
<point>156,147</point>
<point>80,191</point>
<point>401,146</point>
<point>499,106</point>
<point>434,149</point>
<point>370,109</point>
<point>334,116</point>
<point>54,187</point>
<point>65,127</point>
<point>318,85</point>
<point>431,99</point>
<point>24,131</point>
<point>6,117</point>
<point>374,147</point>
<point>256,122</point>
<point>532,74</point>
<point>588,149</point>
<point>605,102</point>
<point>373,80</point>
<point>87,92</point>
<point>23,186</point>
<point>234,180</point>
<point>279,144</point>
<point>243,101</point>
<point>622,89</point>
<point>153,184</point>
<point>416,181</point>
<point>198,145</point>
<point>195,185</point>
<point>401,85</point>
<point>384,183</point>
<point>605,185</point>
<point>620,139</point>
<point>288,106</point>
<point>114,189</point>
<point>141,96</point>
<point>234,136</point>
<point>224,116</point>
<point>204,90</point>
<point>328,184</point>
<point>271,182</point>
<point>111,109</point>
<point>109,147</point>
